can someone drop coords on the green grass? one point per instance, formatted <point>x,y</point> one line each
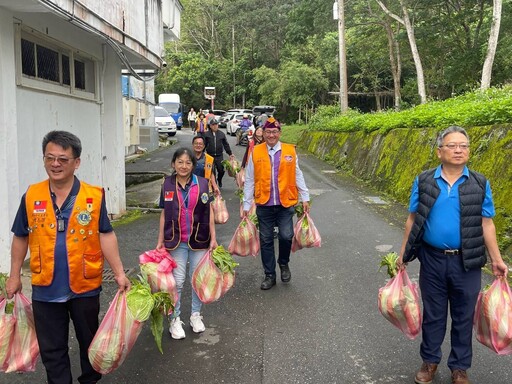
<point>128,217</point>
<point>291,133</point>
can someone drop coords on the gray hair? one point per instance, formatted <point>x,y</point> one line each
<point>447,131</point>
<point>65,140</point>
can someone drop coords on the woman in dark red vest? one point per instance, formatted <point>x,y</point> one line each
<point>187,229</point>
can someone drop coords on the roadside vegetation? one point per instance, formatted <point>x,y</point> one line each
<point>473,109</point>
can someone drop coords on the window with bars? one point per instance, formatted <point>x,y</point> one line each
<point>49,63</point>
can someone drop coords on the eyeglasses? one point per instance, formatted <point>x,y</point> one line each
<point>198,143</point>
<point>453,146</point>
<point>272,132</point>
<point>61,160</point>
<point>182,163</point>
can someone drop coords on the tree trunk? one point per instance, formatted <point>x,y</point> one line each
<point>396,64</point>
<point>412,42</point>
<point>491,47</point>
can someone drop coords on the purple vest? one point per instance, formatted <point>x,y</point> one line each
<point>200,233</point>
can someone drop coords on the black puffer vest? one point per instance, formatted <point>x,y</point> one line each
<point>471,198</point>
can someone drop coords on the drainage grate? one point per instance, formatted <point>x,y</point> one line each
<point>108,274</point>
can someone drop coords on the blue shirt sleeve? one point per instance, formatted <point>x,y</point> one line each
<point>20,224</point>
<point>104,225</point>
<point>414,200</point>
<point>488,205</point>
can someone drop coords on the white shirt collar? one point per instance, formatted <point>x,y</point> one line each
<point>276,147</point>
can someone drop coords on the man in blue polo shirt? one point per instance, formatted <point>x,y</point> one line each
<point>449,227</point>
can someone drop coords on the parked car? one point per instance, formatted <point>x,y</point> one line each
<point>234,123</point>
<point>164,122</point>
<point>224,119</point>
<point>242,111</point>
<point>218,113</point>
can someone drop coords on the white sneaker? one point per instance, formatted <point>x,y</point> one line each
<point>196,322</point>
<point>176,329</point>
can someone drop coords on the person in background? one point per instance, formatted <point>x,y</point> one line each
<point>274,181</point>
<point>209,116</point>
<point>245,124</point>
<point>448,229</point>
<point>216,144</point>
<point>257,138</point>
<point>261,120</point>
<point>201,125</point>
<point>204,165</point>
<point>64,223</point>
<point>192,115</point>
<point>186,230</point>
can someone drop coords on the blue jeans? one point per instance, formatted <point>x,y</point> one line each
<point>268,218</point>
<point>182,255</point>
<point>445,284</point>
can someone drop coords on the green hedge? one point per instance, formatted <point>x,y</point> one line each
<point>491,107</point>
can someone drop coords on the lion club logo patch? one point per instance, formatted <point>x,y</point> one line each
<point>288,158</point>
<point>84,217</point>
<point>204,198</point>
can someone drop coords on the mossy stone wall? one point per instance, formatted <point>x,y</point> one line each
<point>390,161</point>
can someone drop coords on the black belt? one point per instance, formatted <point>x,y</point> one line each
<point>452,252</point>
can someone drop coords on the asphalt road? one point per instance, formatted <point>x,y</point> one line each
<point>322,327</point>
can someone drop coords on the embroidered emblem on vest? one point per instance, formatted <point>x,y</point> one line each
<point>39,207</point>
<point>84,218</point>
<point>169,196</point>
<point>288,158</point>
<point>204,198</point>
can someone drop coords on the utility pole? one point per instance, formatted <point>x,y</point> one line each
<point>233,52</point>
<point>339,14</point>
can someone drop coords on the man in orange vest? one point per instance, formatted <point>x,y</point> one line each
<point>276,183</point>
<point>64,223</point>
<point>204,166</point>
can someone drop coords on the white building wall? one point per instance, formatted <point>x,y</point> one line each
<point>9,186</point>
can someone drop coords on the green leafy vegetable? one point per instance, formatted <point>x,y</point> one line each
<point>3,293</point>
<point>389,261</point>
<point>140,300</point>
<point>143,304</point>
<point>163,305</point>
<point>223,259</point>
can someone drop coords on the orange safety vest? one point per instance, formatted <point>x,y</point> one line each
<point>85,258</point>
<point>208,166</point>
<point>287,185</point>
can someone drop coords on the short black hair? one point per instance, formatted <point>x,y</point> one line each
<point>65,140</point>
<point>185,151</point>
<point>198,137</point>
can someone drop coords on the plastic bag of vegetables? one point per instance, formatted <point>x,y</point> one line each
<point>23,347</point>
<point>305,234</point>
<point>399,304</point>
<point>7,322</point>
<point>116,335</point>
<point>245,241</point>
<point>226,264</point>
<point>493,317</point>
<point>158,265</point>
<point>207,279</point>
<point>220,211</point>
<point>232,166</point>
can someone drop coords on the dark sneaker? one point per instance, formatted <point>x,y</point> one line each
<point>426,373</point>
<point>268,283</point>
<point>286,275</point>
<point>459,377</point>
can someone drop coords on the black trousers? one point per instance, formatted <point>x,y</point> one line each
<point>52,329</point>
<point>219,168</point>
